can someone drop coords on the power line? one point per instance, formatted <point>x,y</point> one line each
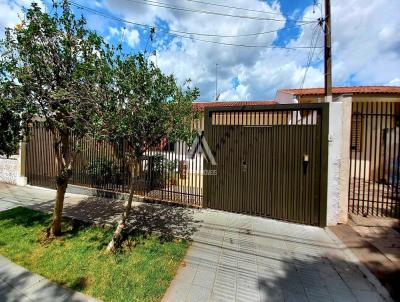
<point>185,32</point>
<point>200,11</point>
<point>311,53</point>
<point>242,8</point>
<point>182,34</point>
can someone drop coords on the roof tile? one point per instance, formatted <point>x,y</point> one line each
<point>343,90</point>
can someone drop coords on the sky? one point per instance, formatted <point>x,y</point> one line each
<point>285,41</point>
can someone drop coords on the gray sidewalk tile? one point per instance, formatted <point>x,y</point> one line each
<point>187,272</point>
<point>204,277</point>
<point>178,291</point>
<point>236,257</point>
<point>198,294</point>
<point>19,284</point>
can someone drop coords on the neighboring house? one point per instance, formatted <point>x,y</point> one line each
<point>359,93</point>
<point>375,125</point>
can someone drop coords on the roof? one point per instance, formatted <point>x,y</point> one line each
<point>200,106</point>
<point>344,90</point>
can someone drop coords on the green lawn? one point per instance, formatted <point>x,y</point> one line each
<point>78,259</point>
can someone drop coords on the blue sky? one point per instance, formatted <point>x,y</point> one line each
<point>366,45</point>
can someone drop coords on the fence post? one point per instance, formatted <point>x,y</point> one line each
<point>346,100</point>
<point>21,180</point>
<point>338,160</point>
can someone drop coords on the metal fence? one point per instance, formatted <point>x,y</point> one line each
<point>166,172</point>
<point>271,161</point>
<point>375,159</point>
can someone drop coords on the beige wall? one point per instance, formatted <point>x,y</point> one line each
<point>356,98</point>
<point>368,162</point>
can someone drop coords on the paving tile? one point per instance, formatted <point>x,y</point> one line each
<point>198,294</point>
<point>367,296</point>
<point>319,298</point>
<point>47,291</point>
<point>357,282</point>
<point>177,292</point>
<point>218,296</point>
<point>204,277</point>
<point>187,272</point>
<point>272,293</point>
<point>237,257</point>
<point>18,277</point>
<point>338,297</point>
<point>290,296</point>
<point>4,262</point>
<point>10,294</point>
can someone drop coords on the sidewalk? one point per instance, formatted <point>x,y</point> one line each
<point>236,257</point>
<point>376,243</point>
<point>18,284</point>
<point>233,257</point>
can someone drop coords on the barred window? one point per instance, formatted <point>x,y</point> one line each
<point>356,132</point>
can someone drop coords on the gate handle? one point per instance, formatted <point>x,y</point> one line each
<point>305,163</point>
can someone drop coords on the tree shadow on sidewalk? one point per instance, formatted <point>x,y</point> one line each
<point>167,222</point>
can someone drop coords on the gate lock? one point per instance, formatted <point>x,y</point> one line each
<point>244,166</point>
<point>305,163</point>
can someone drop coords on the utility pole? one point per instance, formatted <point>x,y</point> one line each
<point>216,81</point>
<point>328,52</point>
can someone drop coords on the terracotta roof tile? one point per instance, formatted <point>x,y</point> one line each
<point>343,90</point>
<point>201,105</point>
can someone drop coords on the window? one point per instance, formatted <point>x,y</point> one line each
<point>356,132</point>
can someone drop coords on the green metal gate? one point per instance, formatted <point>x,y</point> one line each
<point>271,161</point>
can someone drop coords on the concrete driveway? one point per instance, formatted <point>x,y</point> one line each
<point>242,258</point>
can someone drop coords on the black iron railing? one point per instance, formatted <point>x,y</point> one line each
<point>375,159</point>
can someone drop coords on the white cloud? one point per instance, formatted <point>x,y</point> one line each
<point>394,82</point>
<point>130,36</point>
<point>366,45</point>
<point>366,48</point>
<point>259,71</point>
<point>367,41</point>
<point>11,12</point>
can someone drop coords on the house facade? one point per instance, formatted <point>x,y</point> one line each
<point>375,126</point>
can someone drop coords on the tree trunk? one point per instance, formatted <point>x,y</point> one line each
<point>117,237</point>
<point>62,149</point>
<point>55,226</point>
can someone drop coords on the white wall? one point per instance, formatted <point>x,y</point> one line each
<point>334,156</point>
<point>282,97</point>
<point>338,160</point>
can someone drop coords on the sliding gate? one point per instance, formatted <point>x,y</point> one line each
<point>269,161</point>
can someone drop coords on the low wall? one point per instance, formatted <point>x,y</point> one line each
<point>8,169</point>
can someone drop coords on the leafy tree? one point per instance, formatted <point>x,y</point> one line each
<point>56,69</point>
<point>10,124</point>
<point>147,107</point>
